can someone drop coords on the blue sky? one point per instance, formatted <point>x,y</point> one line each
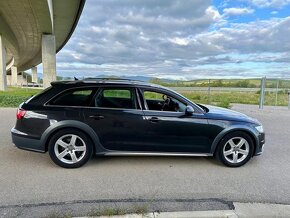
<point>180,39</point>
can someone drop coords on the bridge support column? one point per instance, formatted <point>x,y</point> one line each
<point>34,74</point>
<point>14,76</point>
<point>48,59</point>
<point>3,77</point>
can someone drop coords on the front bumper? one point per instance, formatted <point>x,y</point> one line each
<point>24,141</point>
<point>260,144</point>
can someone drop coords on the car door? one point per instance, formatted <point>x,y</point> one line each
<point>117,118</point>
<point>170,129</point>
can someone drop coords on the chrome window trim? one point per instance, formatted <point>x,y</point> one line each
<point>142,89</point>
<point>174,112</point>
<point>100,108</point>
<point>97,89</point>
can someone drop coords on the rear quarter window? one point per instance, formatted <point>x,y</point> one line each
<point>34,98</point>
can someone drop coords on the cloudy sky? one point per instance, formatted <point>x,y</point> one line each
<point>181,39</point>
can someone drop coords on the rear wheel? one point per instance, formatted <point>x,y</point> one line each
<point>235,149</point>
<point>70,148</point>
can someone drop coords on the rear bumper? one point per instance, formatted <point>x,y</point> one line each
<point>23,141</point>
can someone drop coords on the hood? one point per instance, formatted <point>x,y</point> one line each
<point>227,114</point>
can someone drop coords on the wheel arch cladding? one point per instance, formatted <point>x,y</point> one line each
<point>50,131</point>
<point>225,132</point>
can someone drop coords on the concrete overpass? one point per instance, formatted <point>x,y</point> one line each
<point>33,31</point>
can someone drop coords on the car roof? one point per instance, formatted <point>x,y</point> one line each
<point>100,81</point>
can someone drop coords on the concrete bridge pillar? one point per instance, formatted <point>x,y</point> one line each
<point>3,77</point>
<point>14,76</point>
<point>48,59</point>
<point>34,74</point>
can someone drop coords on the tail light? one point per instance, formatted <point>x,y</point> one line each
<point>20,113</point>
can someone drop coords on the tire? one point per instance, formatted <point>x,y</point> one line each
<point>70,148</point>
<point>235,149</point>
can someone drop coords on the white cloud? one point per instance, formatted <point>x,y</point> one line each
<point>179,41</point>
<point>213,12</point>
<point>237,11</point>
<point>258,36</point>
<point>172,38</point>
<point>270,3</point>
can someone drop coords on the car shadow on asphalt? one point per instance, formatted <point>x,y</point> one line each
<point>153,160</point>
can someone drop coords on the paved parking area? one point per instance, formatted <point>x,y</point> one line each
<point>32,178</point>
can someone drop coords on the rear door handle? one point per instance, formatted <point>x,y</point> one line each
<point>97,117</point>
<point>154,119</point>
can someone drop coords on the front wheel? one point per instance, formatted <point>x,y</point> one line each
<point>70,148</point>
<point>235,149</point>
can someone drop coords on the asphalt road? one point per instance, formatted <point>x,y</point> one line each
<point>32,178</point>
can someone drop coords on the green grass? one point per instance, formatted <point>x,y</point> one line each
<point>242,83</point>
<point>57,215</point>
<point>15,96</point>
<point>106,212</point>
<point>224,99</point>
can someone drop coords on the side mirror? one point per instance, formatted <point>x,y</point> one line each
<point>189,110</point>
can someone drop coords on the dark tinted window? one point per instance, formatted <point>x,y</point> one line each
<point>77,97</point>
<point>116,98</point>
<point>34,99</point>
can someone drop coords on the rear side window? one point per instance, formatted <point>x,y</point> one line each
<point>117,93</point>
<point>116,98</point>
<point>79,97</point>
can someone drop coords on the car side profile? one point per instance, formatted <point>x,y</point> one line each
<point>74,120</point>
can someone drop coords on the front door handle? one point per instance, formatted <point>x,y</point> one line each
<point>154,119</point>
<point>97,117</point>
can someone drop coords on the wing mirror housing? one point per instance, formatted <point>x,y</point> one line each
<point>189,110</point>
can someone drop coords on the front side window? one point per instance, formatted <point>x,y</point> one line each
<point>79,97</point>
<point>162,102</point>
<point>116,98</point>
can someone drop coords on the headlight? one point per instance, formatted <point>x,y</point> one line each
<point>260,129</point>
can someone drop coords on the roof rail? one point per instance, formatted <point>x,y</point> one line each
<point>89,80</point>
<point>107,78</point>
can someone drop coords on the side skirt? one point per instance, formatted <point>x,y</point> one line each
<point>117,153</point>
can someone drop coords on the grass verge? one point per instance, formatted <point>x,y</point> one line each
<point>15,96</point>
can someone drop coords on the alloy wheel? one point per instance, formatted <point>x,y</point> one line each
<point>236,150</point>
<point>70,149</point>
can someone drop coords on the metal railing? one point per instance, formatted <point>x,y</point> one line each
<point>264,91</point>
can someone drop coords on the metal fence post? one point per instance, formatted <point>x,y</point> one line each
<point>26,82</point>
<point>208,92</point>
<point>262,93</point>
<point>277,88</point>
<point>288,98</point>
